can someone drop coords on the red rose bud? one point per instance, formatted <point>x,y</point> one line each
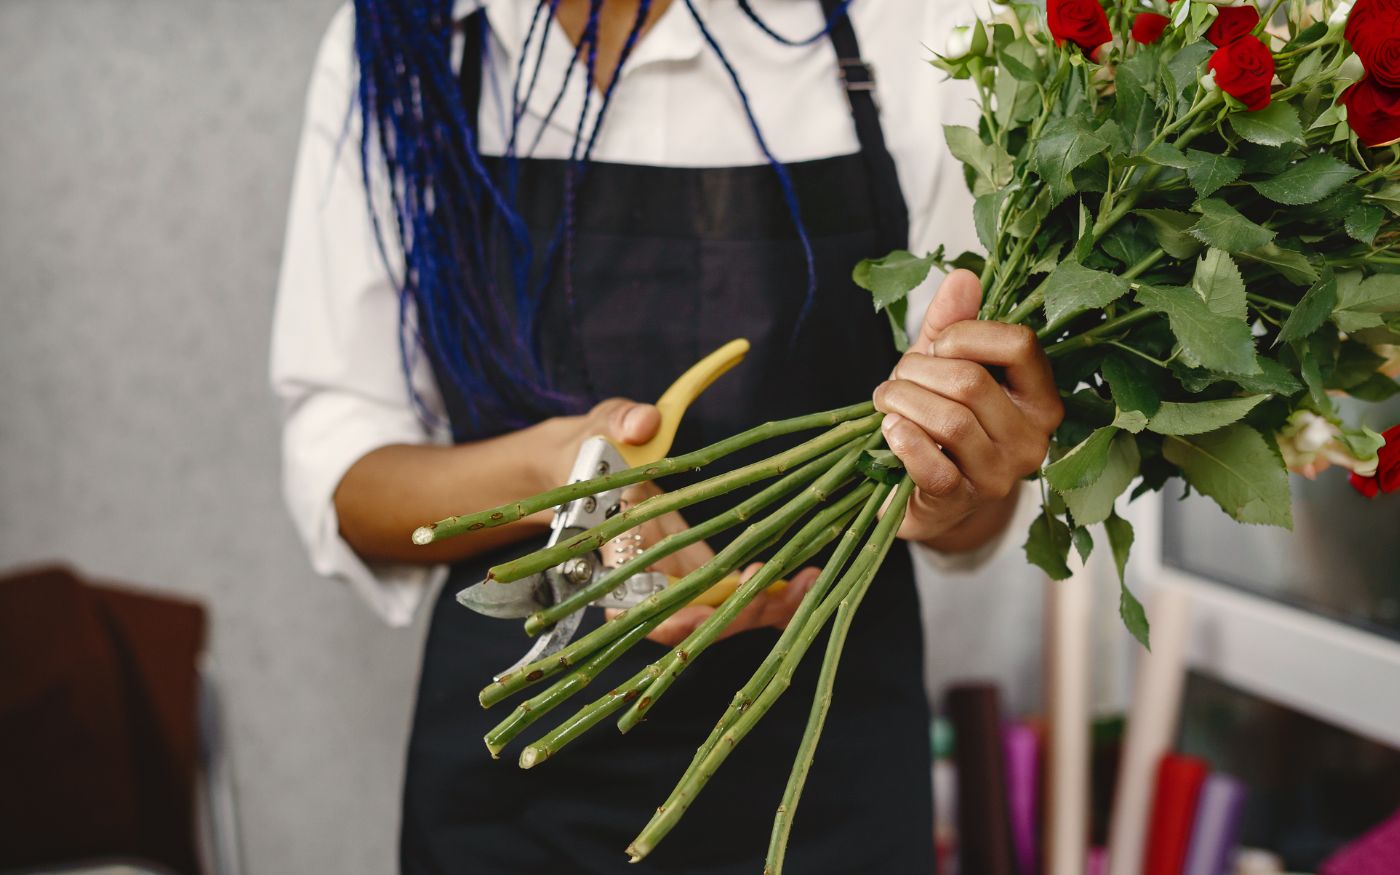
<point>1387,476</point>
<point>1244,69</point>
<point>1148,27</point>
<point>1081,22</point>
<point>1231,23</point>
<point>1373,111</point>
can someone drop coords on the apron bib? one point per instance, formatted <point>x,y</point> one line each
<point>667,264</point>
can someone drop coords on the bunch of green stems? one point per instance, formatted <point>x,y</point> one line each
<point>825,490</point>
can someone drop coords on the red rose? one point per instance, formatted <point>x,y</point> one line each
<point>1387,476</point>
<point>1081,22</point>
<point>1231,23</point>
<point>1373,29</point>
<point>1148,27</point>
<point>1244,69</point>
<point>1373,111</point>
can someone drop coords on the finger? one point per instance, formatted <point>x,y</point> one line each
<point>677,627</point>
<point>970,385</point>
<point>1013,347</point>
<point>951,425</point>
<point>958,298</point>
<point>931,470</point>
<point>626,421</point>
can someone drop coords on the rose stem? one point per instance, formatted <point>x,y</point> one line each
<point>531,710</point>
<point>657,505</point>
<point>509,513</point>
<point>590,715</point>
<point>669,668</point>
<point>821,702</point>
<point>670,599</point>
<point>741,512</point>
<point>830,573</point>
<point>857,578</point>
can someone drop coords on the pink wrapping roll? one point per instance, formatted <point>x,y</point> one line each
<point>1375,853</point>
<point>1021,749</point>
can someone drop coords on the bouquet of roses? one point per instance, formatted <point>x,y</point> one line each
<point>1196,210</point>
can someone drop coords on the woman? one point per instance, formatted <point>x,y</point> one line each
<point>569,203</point>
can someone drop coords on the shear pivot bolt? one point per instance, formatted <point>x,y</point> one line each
<point>578,570</point>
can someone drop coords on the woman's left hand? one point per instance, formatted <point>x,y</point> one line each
<point>965,437</point>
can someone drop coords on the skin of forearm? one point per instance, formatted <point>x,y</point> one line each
<point>394,489</point>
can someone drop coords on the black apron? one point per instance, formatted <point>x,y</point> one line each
<point>667,265</point>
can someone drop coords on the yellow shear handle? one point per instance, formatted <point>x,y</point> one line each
<point>675,400</point>
<point>673,404</point>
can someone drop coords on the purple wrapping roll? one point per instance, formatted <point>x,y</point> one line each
<point>1021,748</point>
<point>1216,830</point>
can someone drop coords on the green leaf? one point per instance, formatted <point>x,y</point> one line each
<point>1287,263</point>
<point>1364,222</point>
<point>1374,294</point>
<point>1185,67</point>
<point>1120,541</point>
<point>1072,288</point>
<point>1025,224</point>
<point>1273,125</point>
<point>1310,312</point>
<point>1208,171</point>
<point>1207,338</point>
<point>1083,542</point>
<point>1093,503</point>
<point>1306,182</point>
<point>1047,546</point>
<point>1167,155</point>
<point>1224,227</point>
<point>890,278</point>
<point>1196,417</point>
<point>1273,378</point>
<point>989,161</point>
<point>1064,144</point>
<point>1171,227</point>
<point>1388,197</point>
<point>1218,282</point>
<point>1131,421</point>
<point>1130,387</point>
<point>1377,387</point>
<point>881,466</point>
<point>1083,464</point>
<point>1355,363</point>
<point>1238,469</point>
<point>1134,108</point>
<point>984,217</point>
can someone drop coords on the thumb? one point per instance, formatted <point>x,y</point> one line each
<point>625,421</point>
<point>958,298</point>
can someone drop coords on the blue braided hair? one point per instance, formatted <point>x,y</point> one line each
<point>455,215</point>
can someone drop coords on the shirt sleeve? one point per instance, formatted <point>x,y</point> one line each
<point>336,361</point>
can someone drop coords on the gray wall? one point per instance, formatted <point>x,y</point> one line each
<point>144,169</point>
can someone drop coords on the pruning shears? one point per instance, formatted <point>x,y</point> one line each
<point>596,457</point>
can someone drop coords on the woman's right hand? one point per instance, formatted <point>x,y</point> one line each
<point>620,420</point>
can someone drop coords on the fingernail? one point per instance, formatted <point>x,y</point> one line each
<point>890,421</point>
<point>632,419</point>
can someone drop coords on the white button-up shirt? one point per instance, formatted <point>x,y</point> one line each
<point>335,346</point>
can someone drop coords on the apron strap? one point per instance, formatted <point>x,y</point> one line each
<point>891,214</point>
<point>469,71</point>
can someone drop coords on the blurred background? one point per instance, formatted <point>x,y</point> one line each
<point>144,176</point>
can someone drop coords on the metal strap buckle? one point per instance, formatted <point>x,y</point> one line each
<point>856,75</point>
